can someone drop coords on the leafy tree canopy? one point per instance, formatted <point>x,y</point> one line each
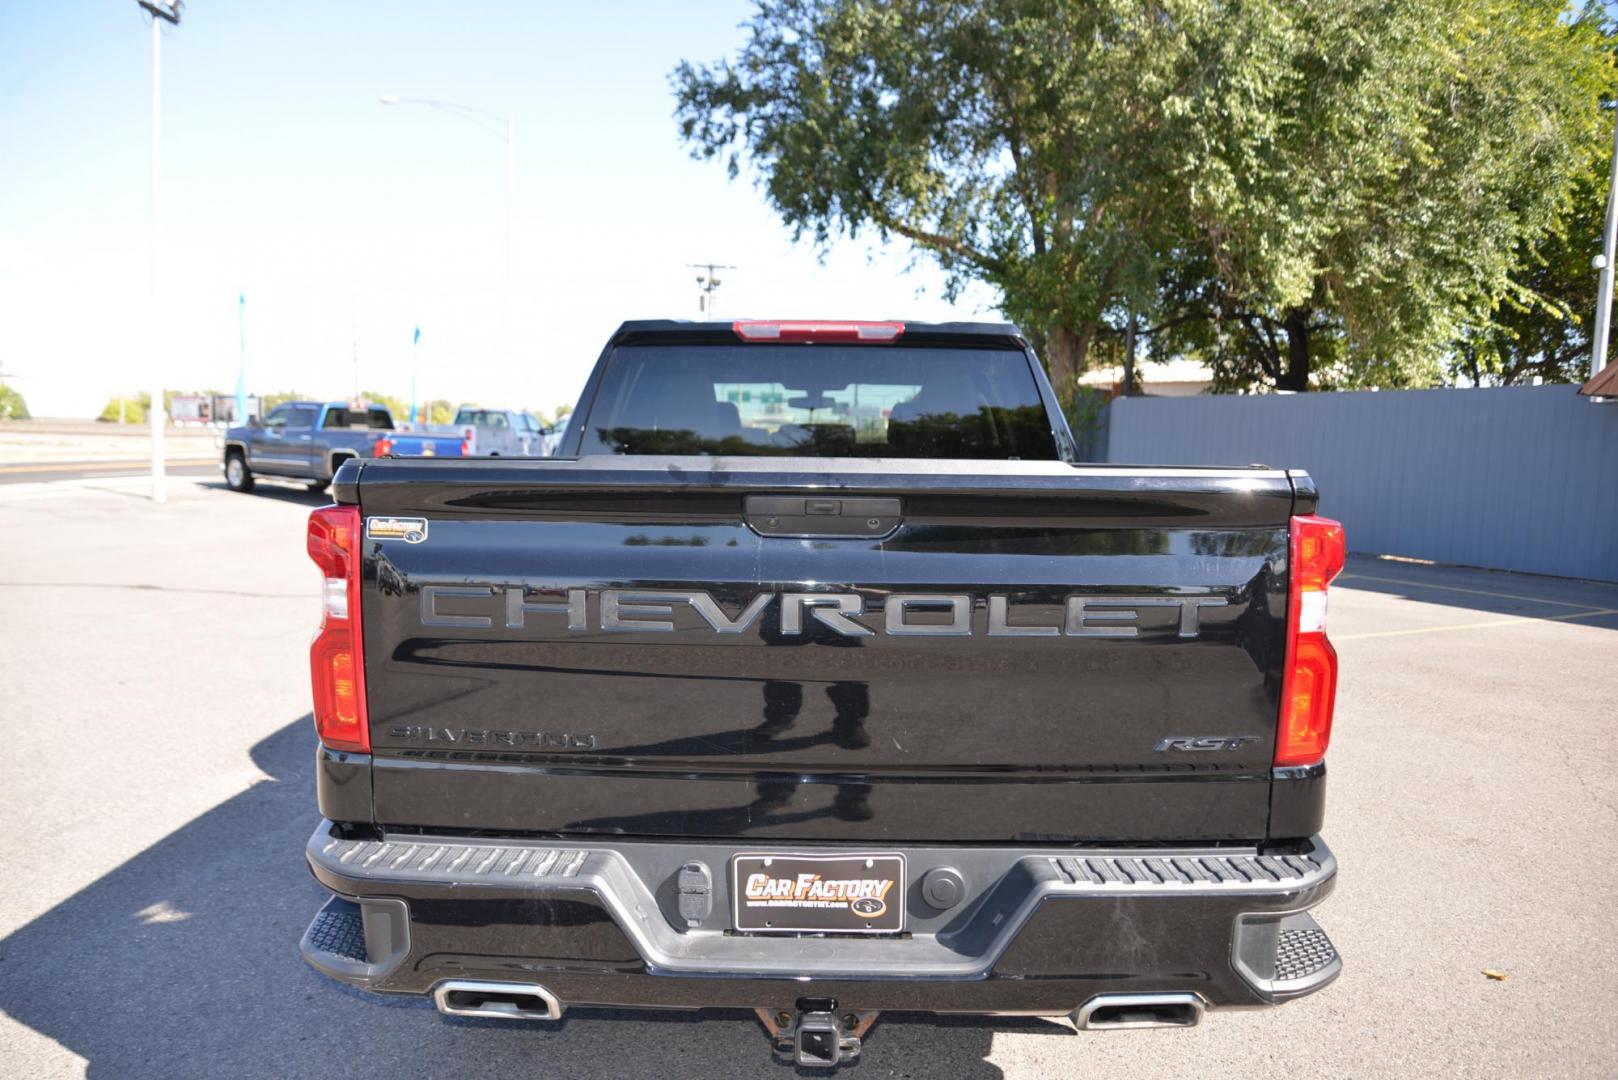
<point>12,406</point>
<point>1540,328</point>
<point>1295,189</point>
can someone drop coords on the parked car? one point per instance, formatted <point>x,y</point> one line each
<point>310,440</point>
<point>860,692</point>
<point>505,432</point>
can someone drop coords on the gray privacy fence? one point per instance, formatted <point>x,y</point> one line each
<point>1515,478</point>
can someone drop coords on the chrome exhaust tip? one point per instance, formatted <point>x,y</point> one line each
<point>503,1000</point>
<point>1112,1012</point>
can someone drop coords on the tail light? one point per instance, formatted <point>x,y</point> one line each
<point>466,443</point>
<point>1309,687</point>
<point>804,330</point>
<point>336,660</point>
<point>382,448</point>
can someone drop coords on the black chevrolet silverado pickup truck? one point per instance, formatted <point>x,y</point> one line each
<point>817,676</point>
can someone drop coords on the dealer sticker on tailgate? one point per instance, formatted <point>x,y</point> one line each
<point>835,894</point>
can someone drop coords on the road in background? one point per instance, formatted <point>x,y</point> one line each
<point>157,789</point>
<point>28,441</point>
<point>57,471</point>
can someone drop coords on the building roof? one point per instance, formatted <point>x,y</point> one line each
<point>1152,372</point>
<point>1603,385</point>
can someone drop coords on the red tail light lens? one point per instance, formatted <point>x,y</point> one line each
<point>382,448</point>
<point>466,443</point>
<point>336,660</point>
<point>806,330</point>
<point>1309,686</point>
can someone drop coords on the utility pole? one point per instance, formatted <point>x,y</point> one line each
<point>1603,262</point>
<point>511,233</point>
<point>161,11</point>
<point>707,283</point>
<point>1129,356</point>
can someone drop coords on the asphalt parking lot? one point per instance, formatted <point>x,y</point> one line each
<point>156,789</point>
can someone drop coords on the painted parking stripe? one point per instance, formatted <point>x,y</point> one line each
<point>1476,625</point>
<point>1456,588</point>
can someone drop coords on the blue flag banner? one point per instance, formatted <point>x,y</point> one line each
<point>413,343</point>
<point>241,369</point>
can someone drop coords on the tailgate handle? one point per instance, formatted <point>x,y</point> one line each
<point>784,515</point>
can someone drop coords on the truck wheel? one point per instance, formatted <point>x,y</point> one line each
<point>237,477</point>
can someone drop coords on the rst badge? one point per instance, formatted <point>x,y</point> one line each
<point>1201,743</point>
<point>818,894</point>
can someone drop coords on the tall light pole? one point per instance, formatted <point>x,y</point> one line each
<point>161,11</point>
<point>708,283</point>
<point>1598,339</point>
<point>484,119</point>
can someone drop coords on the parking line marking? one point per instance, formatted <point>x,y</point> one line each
<point>1457,588</point>
<point>1476,625</point>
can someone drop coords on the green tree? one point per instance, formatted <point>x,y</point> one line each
<point>12,406</point>
<point>1464,159</point>
<point>1541,327</point>
<point>128,410</point>
<point>1365,170</point>
<point>281,397</point>
<point>556,418</point>
<point>395,405</point>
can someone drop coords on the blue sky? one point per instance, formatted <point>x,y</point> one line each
<point>346,222</point>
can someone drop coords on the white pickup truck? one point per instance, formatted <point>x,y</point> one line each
<point>506,432</point>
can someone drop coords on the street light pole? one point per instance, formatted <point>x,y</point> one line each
<point>707,284</point>
<point>511,228</point>
<point>1598,339</point>
<point>161,11</point>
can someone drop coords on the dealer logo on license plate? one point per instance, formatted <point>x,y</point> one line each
<point>835,894</point>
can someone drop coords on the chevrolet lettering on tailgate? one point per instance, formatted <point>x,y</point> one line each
<point>652,610</point>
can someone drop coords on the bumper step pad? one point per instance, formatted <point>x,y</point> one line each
<point>339,931</point>
<point>496,864</point>
<point>433,861</point>
<point>1303,953</point>
<point>358,942</point>
<point>1236,870</point>
<point>1285,957</point>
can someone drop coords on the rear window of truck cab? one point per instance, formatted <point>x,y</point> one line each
<point>821,400</point>
<point>370,419</point>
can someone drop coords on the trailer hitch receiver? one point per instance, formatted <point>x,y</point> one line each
<point>817,1035</point>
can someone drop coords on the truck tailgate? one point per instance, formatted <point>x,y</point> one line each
<point>807,649</point>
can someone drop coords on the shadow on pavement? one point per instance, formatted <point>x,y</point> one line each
<point>183,962</point>
<point>1488,591</point>
<point>294,491</point>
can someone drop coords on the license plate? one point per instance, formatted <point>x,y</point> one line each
<point>836,894</point>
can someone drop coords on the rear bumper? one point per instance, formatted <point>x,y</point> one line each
<point>1038,931</point>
